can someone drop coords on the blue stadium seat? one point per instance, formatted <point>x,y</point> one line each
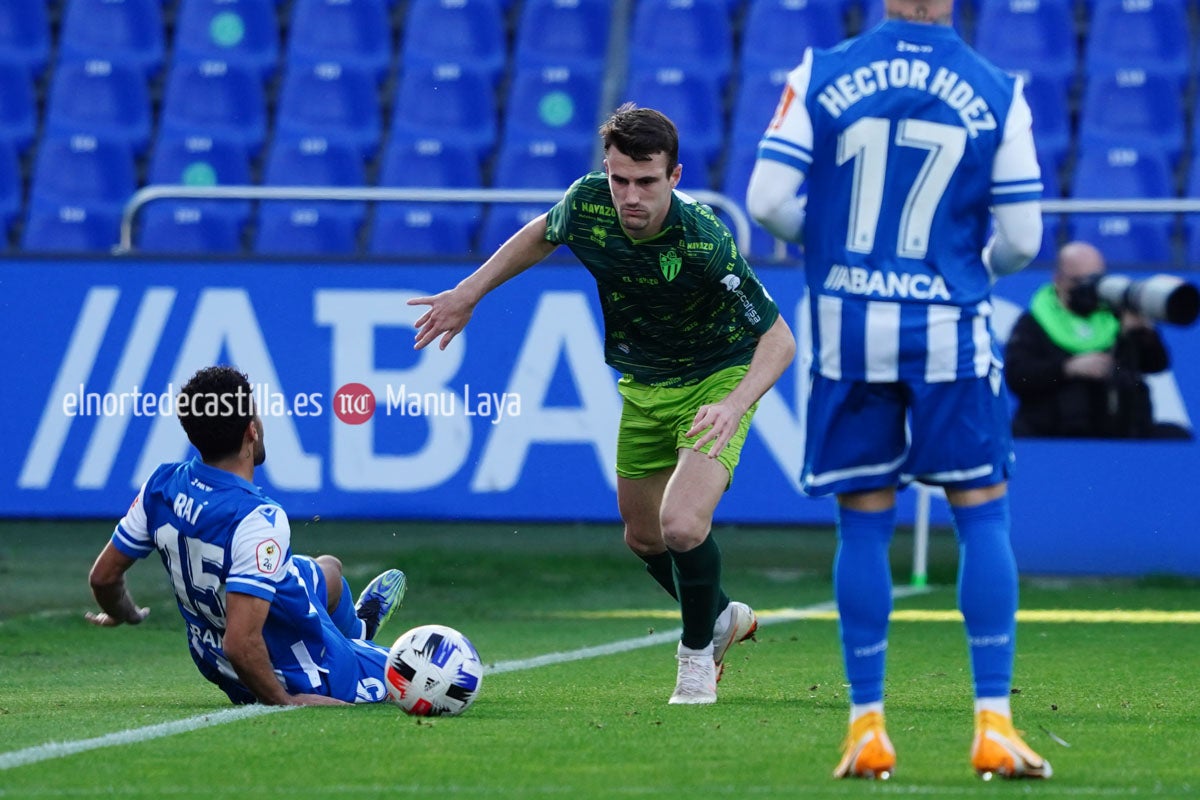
<point>426,228</point>
<point>315,226</point>
<point>1191,222</point>
<point>351,32</point>
<point>697,172</point>
<point>1150,35</point>
<point>691,99</point>
<point>25,35</point>
<point>558,103</point>
<point>429,162</point>
<point>1034,36</point>
<point>546,164</point>
<point>69,229</point>
<point>200,161</point>
<point>334,100</point>
<point>412,229</point>
<point>18,105</point>
<point>530,165</point>
<point>1051,223</point>
<point>10,189</point>
<point>754,105</point>
<point>193,228</point>
<point>557,32</point>
<point>1049,103</point>
<point>776,32</point>
<point>1132,108</point>
<point>82,171</point>
<point>446,102</point>
<point>242,32</point>
<point>1127,240</point>
<point>293,229</point>
<point>502,220</point>
<point>695,36</point>
<point>217,99</point>
<point>104,99</point>
<point>123,31</point>
<point>470,33</point>
<point>314,161</point>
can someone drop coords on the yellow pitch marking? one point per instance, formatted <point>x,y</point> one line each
<point>1133,617</point>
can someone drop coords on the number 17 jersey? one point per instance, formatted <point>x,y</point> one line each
<point>907,138</point>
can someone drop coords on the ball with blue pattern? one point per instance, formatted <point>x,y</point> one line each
<point>433,671</point>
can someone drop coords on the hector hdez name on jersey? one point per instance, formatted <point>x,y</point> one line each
<point>909,73</point>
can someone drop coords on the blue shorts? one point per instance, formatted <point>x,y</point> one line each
<point>349,669</point>
<point>864,436</point>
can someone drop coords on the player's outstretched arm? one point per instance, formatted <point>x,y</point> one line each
<point>247,652</point>
<point>107,580</point>
<point>772,355</point>
<point>450,311</point>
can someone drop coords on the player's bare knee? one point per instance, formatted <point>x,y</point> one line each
<point>682,530</point>
<point>643,540</point>
<point>332,567</point>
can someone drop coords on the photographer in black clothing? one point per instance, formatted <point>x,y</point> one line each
<point>1077,366</point>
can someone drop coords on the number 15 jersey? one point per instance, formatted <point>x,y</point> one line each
<point>907,138</point>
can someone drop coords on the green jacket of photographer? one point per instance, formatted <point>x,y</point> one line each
<point>1078,371</point>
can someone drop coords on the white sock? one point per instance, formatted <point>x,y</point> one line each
<point>997,705</point>
<point>687,651</point>
<point>859,709</point>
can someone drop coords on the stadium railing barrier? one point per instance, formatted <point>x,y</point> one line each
<point>153,192</point>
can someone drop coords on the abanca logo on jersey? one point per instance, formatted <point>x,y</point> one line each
<point>873,282</point>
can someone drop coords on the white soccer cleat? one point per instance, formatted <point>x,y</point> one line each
<point>697,681</point>
<point>742,625</point>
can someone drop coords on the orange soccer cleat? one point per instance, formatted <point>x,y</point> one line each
<point>868,752</point>
<point>998,750</point>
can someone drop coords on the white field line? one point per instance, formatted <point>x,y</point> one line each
<point>52,750</point>
<point>44,752</point>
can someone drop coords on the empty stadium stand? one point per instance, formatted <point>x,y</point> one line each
<point>98,97</point>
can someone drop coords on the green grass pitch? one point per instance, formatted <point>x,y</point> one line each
<point>1109,698</point>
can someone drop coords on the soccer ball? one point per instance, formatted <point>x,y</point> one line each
<point>433,671</point>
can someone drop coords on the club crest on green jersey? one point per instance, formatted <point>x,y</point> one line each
<point>670,262</point>
<point>599,234</point>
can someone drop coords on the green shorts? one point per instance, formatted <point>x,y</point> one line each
<point>654,420</point>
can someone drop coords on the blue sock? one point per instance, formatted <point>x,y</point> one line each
<point>344,616</point>
<point>862,584</point>
<point>987,593</point>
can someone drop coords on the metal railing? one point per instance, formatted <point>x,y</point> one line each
<point>153,192</point>
<point>740,220</point>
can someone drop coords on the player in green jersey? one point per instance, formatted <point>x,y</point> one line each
<point>697,341</point>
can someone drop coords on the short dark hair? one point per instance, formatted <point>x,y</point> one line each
<point>214,407</point>
<point>640,133</point>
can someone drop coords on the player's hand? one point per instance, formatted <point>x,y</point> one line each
<point>448,314</point>
<point>1089,366</point>
<point>718,422</point>
<point>103,619</point>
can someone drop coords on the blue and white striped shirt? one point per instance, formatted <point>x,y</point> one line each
<point>907,139</point>
<point>216,532</point>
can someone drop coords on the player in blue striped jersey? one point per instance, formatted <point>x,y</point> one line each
<point>890,156</point>
<point>262,624</point>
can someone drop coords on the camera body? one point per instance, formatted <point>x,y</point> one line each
<point>1164,298</point>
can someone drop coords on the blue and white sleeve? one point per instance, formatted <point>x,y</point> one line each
<point>260,554</point>
<point>132,536</point>
<point>1016,194</point>
<point>784,155</point>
